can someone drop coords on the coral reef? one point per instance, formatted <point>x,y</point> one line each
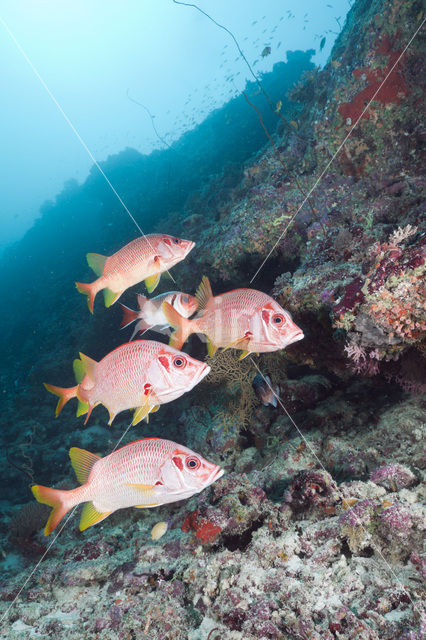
<point>315,530</point>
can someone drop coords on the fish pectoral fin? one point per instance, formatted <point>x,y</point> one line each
<point>244,355</point>
<point>152,410</point>
<point>141,487</point>
<point>90,516</point>
<point>111,296</point>
<point>148,491</point>
<point>140,413</point>
<point>152,281</point>
<point>240,342</point>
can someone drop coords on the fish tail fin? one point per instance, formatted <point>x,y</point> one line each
<point>90,290</point>
<point>129,316</point>
<point>182,326</point>
<point>55,498</point>
<point>64,394</point>
<point>142,300</point>
<point>141,327</point>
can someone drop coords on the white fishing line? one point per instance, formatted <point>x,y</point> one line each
<point>308,446</point>
<point>71,125</point>
<point>58,533</point>
<point>338,150</point>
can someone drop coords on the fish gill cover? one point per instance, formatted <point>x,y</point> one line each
<point>315,529</point>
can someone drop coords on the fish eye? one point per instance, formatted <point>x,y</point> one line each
<point>176,240</point>
<point>185,299</point>
<point>179,362</point>
<point>192,463</point>
<point>278,319</point>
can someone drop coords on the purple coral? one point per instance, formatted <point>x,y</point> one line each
<point>396,518</point>
<point>393,477</point>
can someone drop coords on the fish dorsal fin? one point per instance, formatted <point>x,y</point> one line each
<point>152,281</point>
<point>82,462</point>
<point>204,293</point>
<point>79,371</point>
<point>96,261</point>
<point>90,516</point>
<point>88,366</point>
<point>110,297</point>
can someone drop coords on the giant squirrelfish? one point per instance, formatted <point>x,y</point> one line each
<point>244,319</point>
<point>151,315</point>
<point>142,474</point>
<point>139,375</point>
<point>144,258</point>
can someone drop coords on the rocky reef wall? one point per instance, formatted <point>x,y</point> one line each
<point>315,531</point>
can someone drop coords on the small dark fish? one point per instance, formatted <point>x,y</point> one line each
<point>322,43</point>
<point>266,52</point>
<point>262,386</point>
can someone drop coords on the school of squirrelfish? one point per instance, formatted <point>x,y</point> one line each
<point>144,374</point>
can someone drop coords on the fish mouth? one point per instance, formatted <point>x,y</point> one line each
<point>202,373</point>
<point>215,475</point>
<point>190,246</point>
<point>294,337</point>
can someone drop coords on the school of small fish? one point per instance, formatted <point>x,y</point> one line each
<point>141,375</point>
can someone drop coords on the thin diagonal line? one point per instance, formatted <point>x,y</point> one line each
<point>58,533</point>
<point>318,180</point>
<point>38,563</point>
<point>308,445</point>
<point>80,139</point>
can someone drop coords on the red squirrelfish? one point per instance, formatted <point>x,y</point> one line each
<point>145,258</point>
<point>243,319</point>
<point>139,375</point>
<point>151,315</point>
<point>142,474</point>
